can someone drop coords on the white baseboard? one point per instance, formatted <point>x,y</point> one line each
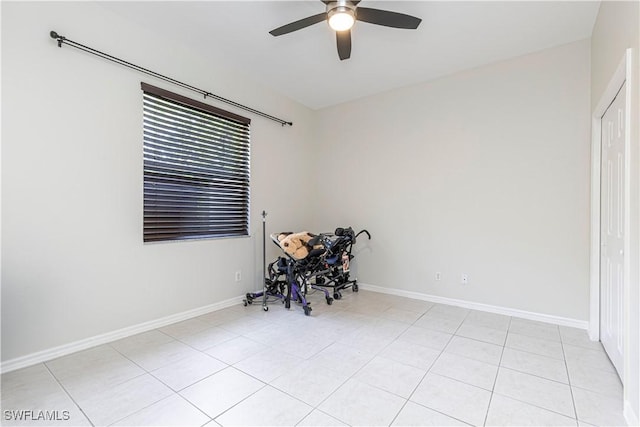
<point>66,349</point>
<point>630,416</point>
<point>547,318</point>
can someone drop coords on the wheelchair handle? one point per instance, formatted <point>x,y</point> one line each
<point>366,232</point>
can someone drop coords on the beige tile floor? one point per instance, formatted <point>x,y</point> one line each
<point>369,359</point>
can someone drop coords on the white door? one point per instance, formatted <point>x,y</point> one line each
<point>612,230</point>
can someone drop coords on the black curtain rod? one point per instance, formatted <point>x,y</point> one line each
<point>63,40</point>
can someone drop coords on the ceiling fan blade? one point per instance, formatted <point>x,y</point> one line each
<point>298,25</point>
<point>387,18</point>
<point>343,39</point>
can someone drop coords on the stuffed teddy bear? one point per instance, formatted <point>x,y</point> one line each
<point>301,253</point>
<point>296,244</point>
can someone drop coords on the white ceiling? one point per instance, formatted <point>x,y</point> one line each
<point>304,65</point>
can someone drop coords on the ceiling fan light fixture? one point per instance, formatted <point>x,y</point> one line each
<point>341,18</point>
<point>341,15</point>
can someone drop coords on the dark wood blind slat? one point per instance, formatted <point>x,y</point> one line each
<point>167,140</point>
<point>196,128</point>
<point>195,171</point>
<point>171,113</point>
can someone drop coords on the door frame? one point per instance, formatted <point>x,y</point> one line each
<point>622,74</point>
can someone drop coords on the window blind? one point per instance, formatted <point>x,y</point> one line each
<point>196,169</point>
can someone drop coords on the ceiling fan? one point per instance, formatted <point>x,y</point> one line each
<point>342,14</point>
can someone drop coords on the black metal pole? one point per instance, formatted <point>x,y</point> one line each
<point>63,40</point>
<point>264,260</point>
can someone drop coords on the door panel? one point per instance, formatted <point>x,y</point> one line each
<point>612,230</point>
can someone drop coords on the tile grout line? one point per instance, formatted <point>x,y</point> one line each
<point>158,401</point>
<point>354,374</point>
<point>284,392</point>
<point>566,366</point>
<point>536,406</point>
<point>369,361</point>
<point>265,384</point>
<point>146,372</point>
<point>530,352</point>
<point>317,407</point>
<point>68,394</point>
<point>239,402</point>
<point>533,375</point>
<point>533,404</point>
<point>429,370</point>
<point>495,380</point>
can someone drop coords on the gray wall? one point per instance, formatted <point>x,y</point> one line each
<point>485,172</point>
<point>73,261</point>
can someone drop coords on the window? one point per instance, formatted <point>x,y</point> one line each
<point>196,169</point>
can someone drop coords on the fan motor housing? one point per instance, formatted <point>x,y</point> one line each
<point>341,6</point>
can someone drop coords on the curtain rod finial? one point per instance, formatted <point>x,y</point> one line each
<point>58,37</point>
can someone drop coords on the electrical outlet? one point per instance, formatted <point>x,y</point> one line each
<point>238,275</point>
<point>464,279</point>
<point>438,276</point>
